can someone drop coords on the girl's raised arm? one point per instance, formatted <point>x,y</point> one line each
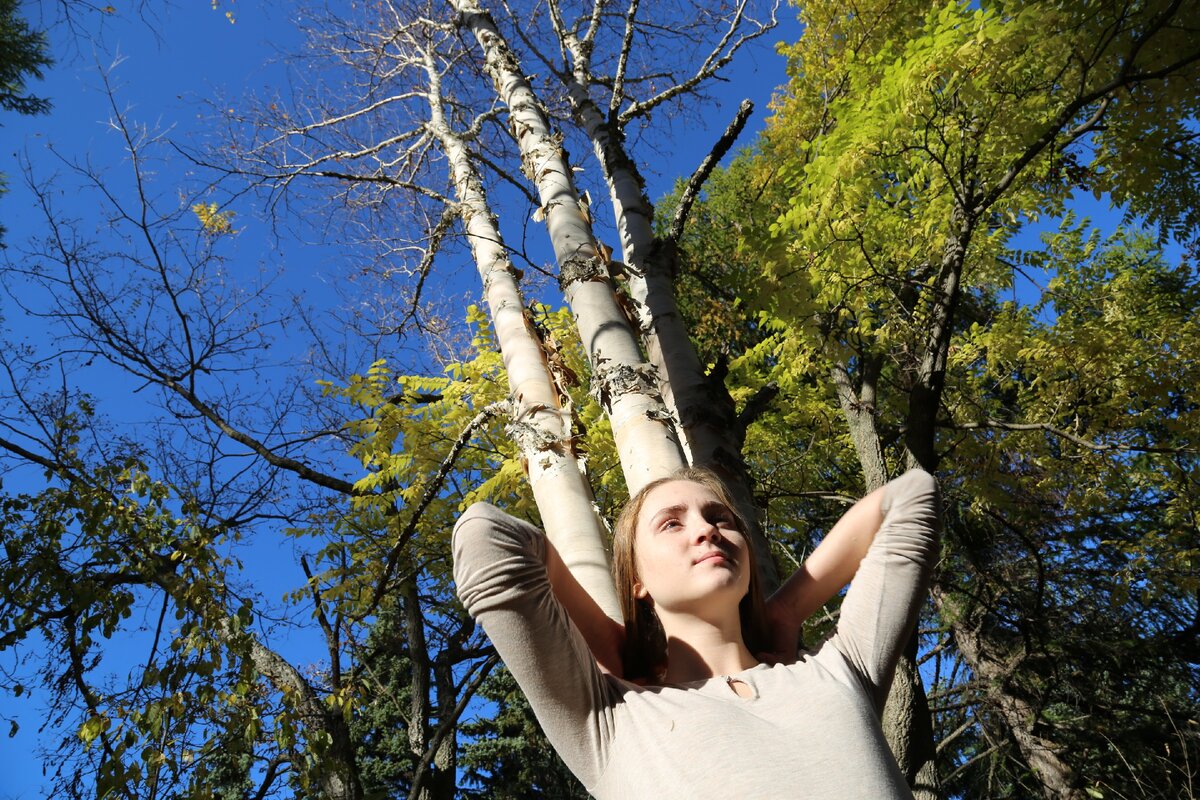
<point>891,534</point>
<point>823,574</point>
<point>501,569</point>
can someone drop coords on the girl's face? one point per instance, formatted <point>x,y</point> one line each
<point>688,550</point>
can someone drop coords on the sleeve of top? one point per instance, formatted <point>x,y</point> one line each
<point>500,572</point>
<point>885,597</point>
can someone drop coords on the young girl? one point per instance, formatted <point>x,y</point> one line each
<point>677,703</point>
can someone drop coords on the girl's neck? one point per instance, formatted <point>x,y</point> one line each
<point>699,649</point>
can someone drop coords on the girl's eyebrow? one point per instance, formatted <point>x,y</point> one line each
<point>706,508</point>
<point>668,511</point>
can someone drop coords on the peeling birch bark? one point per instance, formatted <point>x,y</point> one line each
<point>704,421</point>
<point>541,425</point>
<point>646,439</point>
<point>699,406</point>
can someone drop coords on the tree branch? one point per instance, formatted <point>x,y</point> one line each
<point>1098,447</point>
<point>692,190</point>
<point>431,491</point>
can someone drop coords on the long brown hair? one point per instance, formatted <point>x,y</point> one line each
<point>645,655</point>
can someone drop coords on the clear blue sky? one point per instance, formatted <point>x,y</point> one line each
<point>163,66</point>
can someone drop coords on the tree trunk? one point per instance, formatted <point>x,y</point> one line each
<point>336,772</point>
<point>683,382</point>
<point>925,396</point>
<point>702,408</point>
<point>419,722</point>
<point>859,410</point>
<point>541,425</point>
<point>444,782</point>
<point>626,385</point>
<point>907,724</point>
<point>908,727</point>
<point>1058,780</point>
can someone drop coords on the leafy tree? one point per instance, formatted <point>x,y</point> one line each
<point>24,57</point>
<point>911,145</point>
<point>840,314</point>
<point>511,757</point>
<point>365,471</point>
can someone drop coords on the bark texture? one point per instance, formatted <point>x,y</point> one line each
<point>626,385</point>
<point>700,406</point>
<point>337,773</point>
<point>1058,780</point>
<point>541,423</point>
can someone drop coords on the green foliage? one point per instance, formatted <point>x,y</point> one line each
<point>23,56</point>
<point>82,560</point>
<point>509,757</point>
<point>913,144</point>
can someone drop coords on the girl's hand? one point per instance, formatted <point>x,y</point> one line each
<point>785,633</point>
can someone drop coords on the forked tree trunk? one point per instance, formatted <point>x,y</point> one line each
<point>337,773</point>
<point>626,385</point>
<point>541,425</point>
<point>702,408</point>
<point>683,382</point>
<point>703,411</point>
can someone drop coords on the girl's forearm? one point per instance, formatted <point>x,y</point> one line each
<point>604,635</point>
<point>831,565</point>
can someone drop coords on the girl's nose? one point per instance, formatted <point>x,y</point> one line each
<point>709,531</point>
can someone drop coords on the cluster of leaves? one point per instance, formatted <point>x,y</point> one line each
<point>82,561</point>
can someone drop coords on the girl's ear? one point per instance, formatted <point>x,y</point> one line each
<point>639,591</point>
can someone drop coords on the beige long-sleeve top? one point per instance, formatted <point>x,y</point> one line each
<point>811,728</point>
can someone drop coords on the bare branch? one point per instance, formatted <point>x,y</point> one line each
<point>720,55</point>
<point>692,190</point>
<point>618,87</point>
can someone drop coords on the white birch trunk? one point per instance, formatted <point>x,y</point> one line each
<point>682,379</point>
<point>706,419</point>
<point>703,413</point>
<point>541,426</point>
<point>626,385</point>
